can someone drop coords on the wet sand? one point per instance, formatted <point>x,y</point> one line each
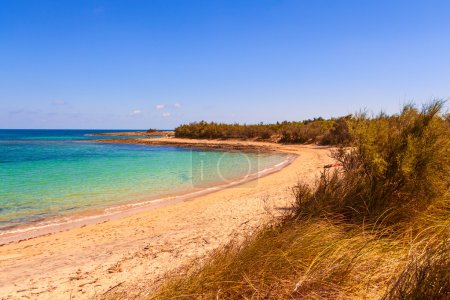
<point>130,254</point>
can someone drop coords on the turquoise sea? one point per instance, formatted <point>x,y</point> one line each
<point>51,174</point>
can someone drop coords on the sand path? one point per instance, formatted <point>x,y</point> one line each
<point>129,256</point>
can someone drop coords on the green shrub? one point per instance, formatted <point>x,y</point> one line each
<point>396,167</point>
<point>326,132</point>
<point>339,134</point>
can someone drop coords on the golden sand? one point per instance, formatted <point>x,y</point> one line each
<point>132,253</point>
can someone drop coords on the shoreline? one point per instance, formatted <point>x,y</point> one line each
<point>132,253</point>
<point>95,216</point>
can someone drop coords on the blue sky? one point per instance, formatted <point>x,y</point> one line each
<point>142,64</point>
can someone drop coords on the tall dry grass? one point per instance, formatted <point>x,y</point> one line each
<point>378,227</point>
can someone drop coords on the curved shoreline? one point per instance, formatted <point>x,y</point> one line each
<point>130,255</point>
<point>94,216</point>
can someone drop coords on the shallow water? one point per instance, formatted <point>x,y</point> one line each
<point>54,173</point>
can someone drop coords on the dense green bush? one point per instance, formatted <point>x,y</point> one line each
<point>308,132</point>
<point>339,133</point>
<point>326,132</point>
<point>204,130</point>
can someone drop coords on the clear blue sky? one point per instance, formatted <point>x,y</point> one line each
<point>141,64</point>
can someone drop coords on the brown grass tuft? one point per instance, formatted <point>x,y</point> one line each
<point>376,228</point>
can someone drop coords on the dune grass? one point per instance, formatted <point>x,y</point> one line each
<point>378,227</point>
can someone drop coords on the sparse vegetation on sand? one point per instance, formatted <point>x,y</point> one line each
<point>375,227</point>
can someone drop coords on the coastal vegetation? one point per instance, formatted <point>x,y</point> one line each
<point>377,226</point>
<point>318,130</point>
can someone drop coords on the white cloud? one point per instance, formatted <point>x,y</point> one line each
<point>177,105</point>
<point>159,106</point>
<point>59,102</point>
<point>136,112</point>
<point>166,114</point>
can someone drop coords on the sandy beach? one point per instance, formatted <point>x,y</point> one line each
<point>129,255</point>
